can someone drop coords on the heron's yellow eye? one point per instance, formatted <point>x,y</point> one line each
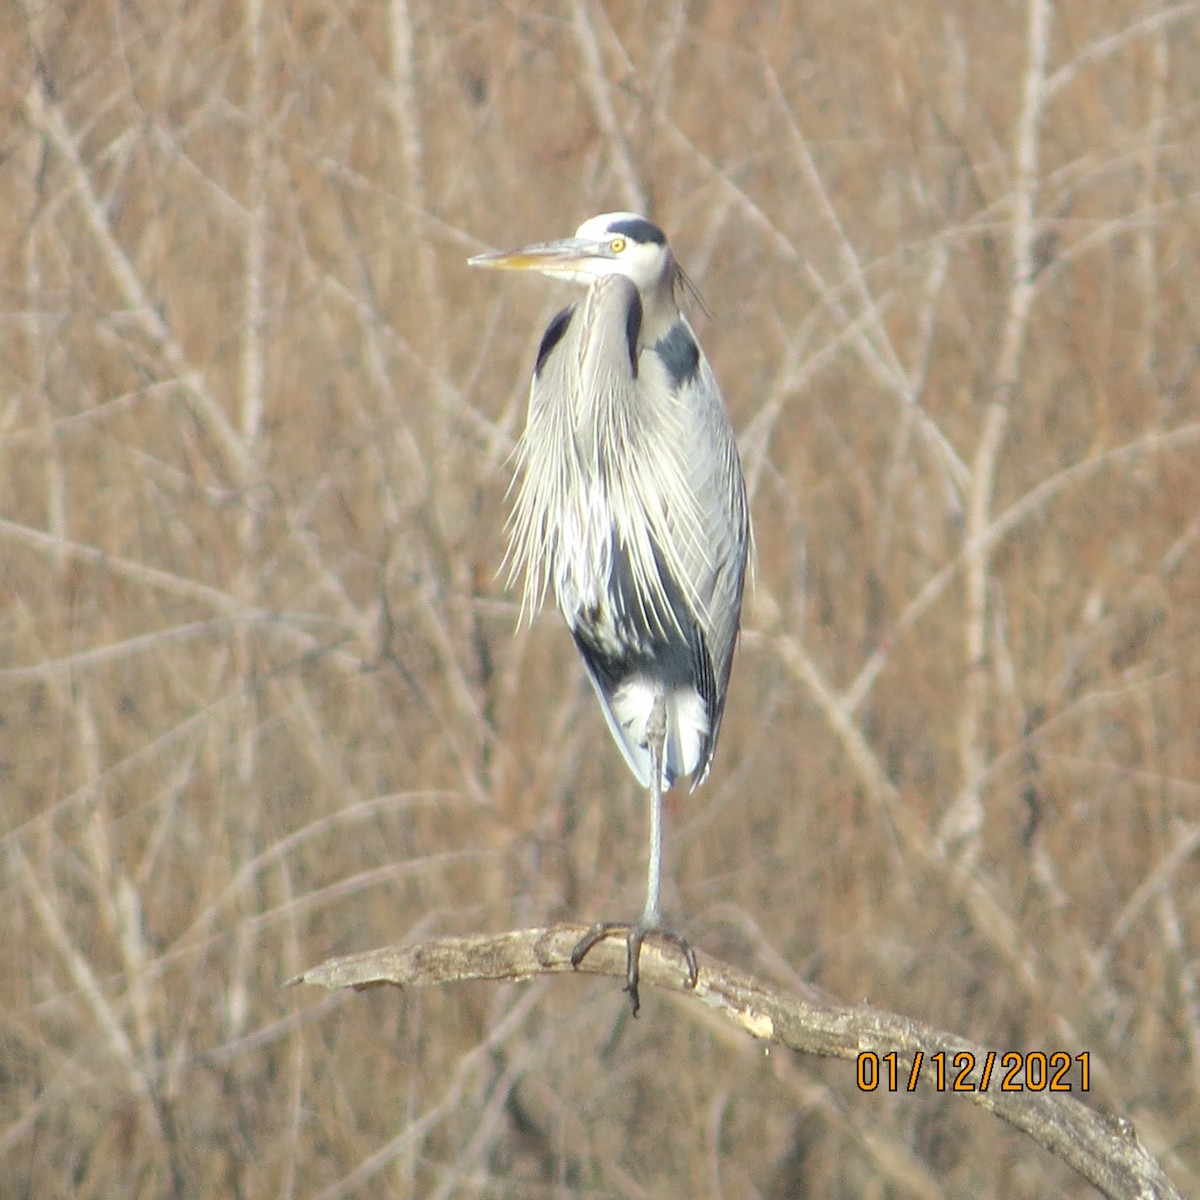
<point>617,245</point>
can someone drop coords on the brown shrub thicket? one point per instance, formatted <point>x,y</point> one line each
<point>263,698</point>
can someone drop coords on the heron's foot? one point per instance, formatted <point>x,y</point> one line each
<point>635,934</point>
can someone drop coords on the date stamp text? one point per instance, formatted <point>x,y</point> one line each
<point>1033,1071</point>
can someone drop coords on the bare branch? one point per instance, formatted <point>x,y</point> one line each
<point>599,91</point>
<point>47,117</point>
<point>1104,1149</point>
<point>963,821</point>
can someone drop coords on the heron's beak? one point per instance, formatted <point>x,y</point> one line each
<point>567,255</point>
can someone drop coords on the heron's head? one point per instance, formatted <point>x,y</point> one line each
<point>618,243</point>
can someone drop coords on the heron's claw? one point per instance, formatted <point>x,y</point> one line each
<point>635,934</point>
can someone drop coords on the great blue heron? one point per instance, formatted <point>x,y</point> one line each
<point>632,504</point>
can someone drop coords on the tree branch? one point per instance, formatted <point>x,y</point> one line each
<point>1104,1149</point>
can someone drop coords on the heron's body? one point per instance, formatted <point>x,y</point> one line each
<point>631,504</point>
<point>646,559</point>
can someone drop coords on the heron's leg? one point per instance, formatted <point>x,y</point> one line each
<point>656,736</point>
<point>635,934</point>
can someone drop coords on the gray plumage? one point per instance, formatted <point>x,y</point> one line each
<point>631,504</point>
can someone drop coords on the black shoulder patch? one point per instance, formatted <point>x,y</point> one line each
<point>679,353</point>
<point>552,336</point>
<point>638,229</point>
<point>633,328</point>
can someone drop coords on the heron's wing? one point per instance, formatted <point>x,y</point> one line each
<point>710,544</point>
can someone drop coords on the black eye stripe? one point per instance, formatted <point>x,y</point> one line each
<point>638,229</point>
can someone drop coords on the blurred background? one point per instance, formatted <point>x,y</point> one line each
<point>263,695</point>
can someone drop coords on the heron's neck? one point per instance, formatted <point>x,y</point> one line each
<point>659,313</point>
